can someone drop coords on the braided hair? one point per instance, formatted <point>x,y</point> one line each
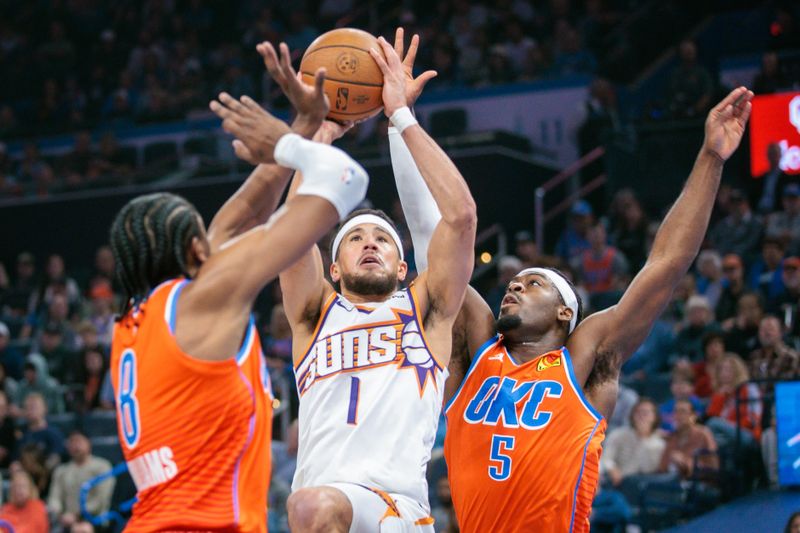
<point>149,239</point>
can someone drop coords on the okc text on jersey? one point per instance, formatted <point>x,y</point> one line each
<point>508,403</point>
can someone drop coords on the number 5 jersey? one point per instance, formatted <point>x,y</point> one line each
<point>195,434</point>
<point>523,445</point>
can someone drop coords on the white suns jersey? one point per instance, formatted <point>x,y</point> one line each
<point>370,397</point>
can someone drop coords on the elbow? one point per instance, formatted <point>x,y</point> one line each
<point>465,216</point>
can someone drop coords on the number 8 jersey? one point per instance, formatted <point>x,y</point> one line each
<point>371,394</point>
<point>523,445</point>
<point>195,434</point>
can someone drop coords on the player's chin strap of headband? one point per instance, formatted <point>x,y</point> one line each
<point>366,219</point>
<point>562,286</point>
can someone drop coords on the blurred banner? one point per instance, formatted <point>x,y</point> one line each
<point>775,119</point>
<point>787,407</point>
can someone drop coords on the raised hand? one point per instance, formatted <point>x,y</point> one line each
<point>394,77</point>
<point>256,131</point>
<point>726,122</point>
<point>310,102</point>
<point>414,85</point>
<point>331,130</point>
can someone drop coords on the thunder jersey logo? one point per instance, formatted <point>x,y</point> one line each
<point>507,403</point>
<point>364,346</point>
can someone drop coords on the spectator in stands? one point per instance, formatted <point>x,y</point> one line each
<point>769,188</point>
<point>278,344</point>
<point>10,357</point>
<point>773,359</point>
<point>709,276</point>
<point>728,382</point>
<point>733,270</point>
<point>766,273</point>
<point>685,443</point>
<point>769,450</point>
<point>64,497</point>
<point>626,400</point>
<point>681,388</point>
<point>630,237</point>
<point>741,332</point>
<point>110,163</point>
<point>103,266</point>
<point>7,432</point>
<point>520,47</point>
<point>75,165</point>
<point>33,461</point>
<point>740,232</point>
<point>601,268</point>
<point>53,348</point>
<point>57,282</point>
<point>24,510</point>
<point>675,314</point>
<point>713,352</point>
<point>16,301</point>
<point>88,380</point>
<point>770,79</point>
<point>699,321</point>
<point>508,266</point>
<point>88,339</point>
<point>37,431</point>
<point>785,303</point>
<point>36,379</point>
<point>573,242</point>
<point>785,224</point>
<point>634,449</point>
<point>690,87</point>
<point>650,359</point>
<point>101,312</point>
<point>9,386</point>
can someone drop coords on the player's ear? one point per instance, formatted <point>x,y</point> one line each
<point>565,314</point>
<point>198,252</point>
<point>335,274</point>
<point>402,271</point>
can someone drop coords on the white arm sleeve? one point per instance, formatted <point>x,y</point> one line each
<point>422,213</point>
<point>328,172</point>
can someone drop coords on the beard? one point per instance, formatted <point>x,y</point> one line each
<point>507,323</point>
<point>379,285</point>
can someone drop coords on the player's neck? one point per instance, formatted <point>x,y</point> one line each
<point>358,298</point>
<point>525,349</point>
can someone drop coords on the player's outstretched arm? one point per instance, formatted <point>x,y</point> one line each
<point>259,195</point>
<point>303,283</point>
<point>451,250</point>
<point>420,210</point>
<point>618,331</point>
<point>228,282</point>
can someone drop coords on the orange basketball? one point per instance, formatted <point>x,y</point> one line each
<point>354,82</point>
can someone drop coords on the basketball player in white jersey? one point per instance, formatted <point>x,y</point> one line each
<point>370,360</point>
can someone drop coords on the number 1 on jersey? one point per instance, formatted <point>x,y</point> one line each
<point>501,444</point>
<point>352,408</point>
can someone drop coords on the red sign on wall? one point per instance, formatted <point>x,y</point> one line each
<point>775,119</point>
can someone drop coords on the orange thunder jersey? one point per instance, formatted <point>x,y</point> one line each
<point>195,434</point>
<point>523,445</point>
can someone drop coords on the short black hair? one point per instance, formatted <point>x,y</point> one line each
<point>366,211</point>
<point>149,239</point>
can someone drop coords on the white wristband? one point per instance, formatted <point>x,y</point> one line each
<point>402,119</point>
<point>288,151</point>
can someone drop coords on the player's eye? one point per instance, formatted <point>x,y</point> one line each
<point>355,238</point>
<point>383,239</point>
<point>534,282</point>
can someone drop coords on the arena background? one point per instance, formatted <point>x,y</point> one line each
<point>597,104</point>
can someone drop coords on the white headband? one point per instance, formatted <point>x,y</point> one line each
<point>562,286</point>
<point>366,219</point>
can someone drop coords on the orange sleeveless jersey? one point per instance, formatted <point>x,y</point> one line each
<point>195,434</point>
<point>522,445</point>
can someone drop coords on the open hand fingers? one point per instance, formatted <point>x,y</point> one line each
<point>267,51</point>
<point>286,61</point>
<point>392,59</point>
<point>411,56</point>
<point>729,100</point>
<point>398,42</point>
<point>378,57</point>
<point>232,103</point>
<point>243,152</point>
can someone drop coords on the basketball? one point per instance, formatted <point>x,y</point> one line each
<point>354,82</point>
